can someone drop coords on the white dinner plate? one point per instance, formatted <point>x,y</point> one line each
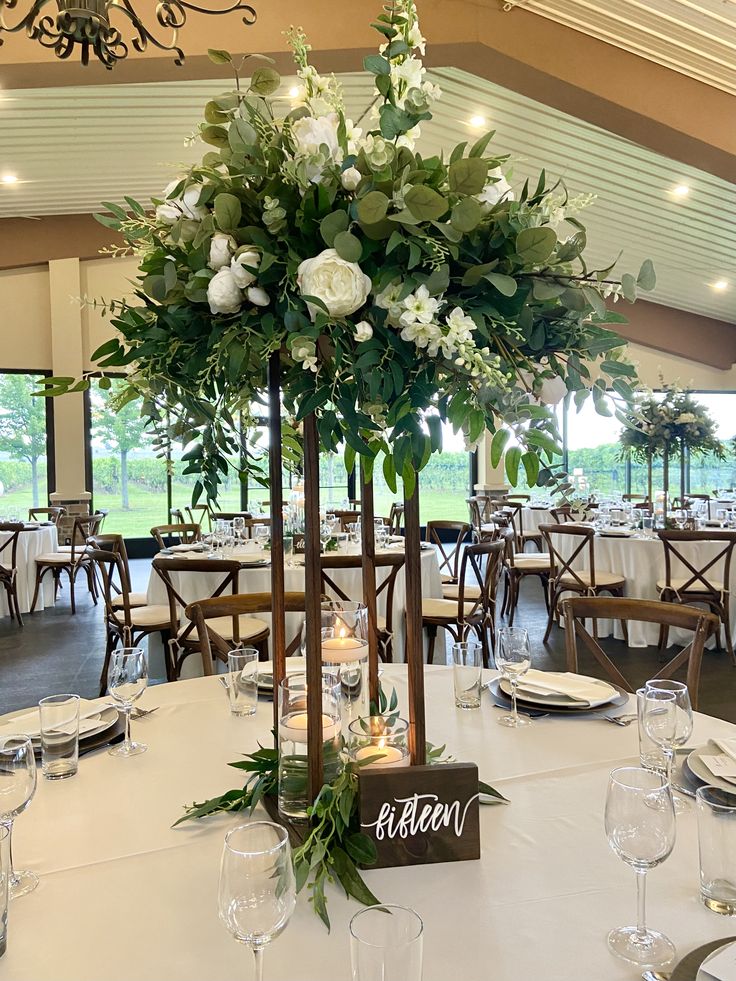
<point>616,533</point>
<point>294,665</point>
<point>558,700</point>
<point>701,771</point>
<point>107,718</point>
<point>703,974</point>
<point>253,563</point>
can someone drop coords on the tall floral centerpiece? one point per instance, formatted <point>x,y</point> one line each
<point>673,422</point>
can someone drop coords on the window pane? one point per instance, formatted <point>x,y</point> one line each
<point>706,472</point>
<point>128,479</point>
<point>594,450</point>
<point>23,470</point>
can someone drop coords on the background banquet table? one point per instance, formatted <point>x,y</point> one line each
<point>32,542</point>
<point>194,586</point>
<point>641,561</point>
<point>533,517</point>
<point>123,895</point>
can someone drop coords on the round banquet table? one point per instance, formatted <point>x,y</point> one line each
<point>533,517</point>
<point>641,561</point>
<point>123,895</point>
<point>194,586</point>
<point>33,541</point>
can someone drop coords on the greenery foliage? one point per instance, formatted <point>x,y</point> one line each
<point>399,290</point>
<point>668,424</point>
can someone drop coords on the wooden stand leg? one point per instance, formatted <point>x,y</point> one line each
<point>369,582</point>
<point>414,644</point>
<point>313,606</point>
<point>278,616</point>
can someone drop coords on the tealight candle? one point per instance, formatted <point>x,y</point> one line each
<point>388,755</point>
<point>294,727</point>
<point>342,649</point>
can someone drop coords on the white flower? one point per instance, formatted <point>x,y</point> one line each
<point>223,294</point>
<point>184,206</point>
<point>257,296</point>
<point>222,247</point>
<point>242,276</point>
<point>342,286</point>
<point>363,331</point>
<point>553,390</point>
<point>432,91</point>
<point>419,306</point>
<point>686,417</point>
<point>388,299</point>
<point>353,134</point>
<point>310,135</point>
<point>350,178</point>
<point>423,335</point>
<point>496,189</point>
<point>414,38</point>
<point>305,350</point>
<point>407,75</point>
<point>409,138</point>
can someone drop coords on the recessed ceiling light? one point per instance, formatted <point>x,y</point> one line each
<point>680,191</point>
<point>477,122</point>
<point>720,285</point>
<point>293,91</point>
<point>9,179</point>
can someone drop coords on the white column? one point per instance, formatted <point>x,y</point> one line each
<point>491,480</point>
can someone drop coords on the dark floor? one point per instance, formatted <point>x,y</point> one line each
<point>58,652</point>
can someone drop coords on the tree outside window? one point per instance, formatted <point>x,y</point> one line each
<point>23,431</point>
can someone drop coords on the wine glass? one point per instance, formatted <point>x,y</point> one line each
<point>513,659</point>
<point>683,724</point>
<point>17,787</point>
<point>238,530</point>
<point>127,679</point>
<point>640,827</point>
<point>257,893</point>
<point>325,534</point>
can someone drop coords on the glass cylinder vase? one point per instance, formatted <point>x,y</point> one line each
<point>293,795</point>
<point>345,652</point>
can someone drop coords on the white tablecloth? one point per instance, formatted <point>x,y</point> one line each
<point>194,586</point>
<point>532,518</point>
<point>124,896</point>
<point>641,562</point>
<point>32,542</point>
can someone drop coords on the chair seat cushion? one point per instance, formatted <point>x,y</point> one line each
<point>531,534</point>
<point>453,591</point>
<point>444,609</point>
<point>448,579</point>
<point>602,578</point>
<point>249,627</point>
<point>531,561</point>
<point>54,558</point>
<point>152,617</point>
<point>134,599</point>
<point>695,587</point>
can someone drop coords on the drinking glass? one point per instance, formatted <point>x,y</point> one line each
<point>127,678</point>
<point>513,659</point>
<point>242,680</point>
<point>257,893</point>
<point>651,756</point>
<point>683,724</point>
<point>325,534</point>
<point>238,530</point>
<point>717,847</point>
<point>4,886</point>
<point>467,663</point>
<point>17,787</point>
<point>288,541</point>
<point>386,944</point>
<point>640,827</point>
<point>59,718</point>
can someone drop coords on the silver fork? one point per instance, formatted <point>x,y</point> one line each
<point>619,720</point>
<point>142,713</point>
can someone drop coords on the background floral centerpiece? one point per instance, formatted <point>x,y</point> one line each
<point>400,290</point>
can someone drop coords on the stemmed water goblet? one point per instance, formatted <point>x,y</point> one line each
<point>127,679</point>
<point>640,827</point>
<point>238,530</point>
<point>513,659</point>
<point>325,534</point>
<point>673,723</point>
<point>17,787</point>
<point>257,892</point>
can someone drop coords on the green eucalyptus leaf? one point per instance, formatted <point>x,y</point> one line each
<point>332,224</point>
<point>265,81</point>
<point>468,175</point>
<point>647,278</point>
<point>466,215</point>
<point>348,246</point>
<point>425,203</point>
<point>372,207</point>
<point>506,285</point>
<point>512,460</point>
<point>535,245</point>
<point>215,136</point>
<point>628,286</point>
<point>219,57</point>
<point>227,211</point>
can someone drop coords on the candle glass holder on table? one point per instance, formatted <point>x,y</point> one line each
<point>293,793</point>
<point>379,740</point>
<point>345,652</point>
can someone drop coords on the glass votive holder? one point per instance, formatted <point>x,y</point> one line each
<point>345,651</point>
<point>293,747</point>
<point>717,847</point>
<point>59,725</point>
<point>378,741</point>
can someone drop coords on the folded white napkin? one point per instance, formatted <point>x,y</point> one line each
<point>186,548</point>
<point>721,966</point>
<point>574,686</point>
<point>30,724</point>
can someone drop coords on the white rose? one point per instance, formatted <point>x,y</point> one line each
<point>495,190</point>
<point>223,293</point>
<point>257,296</point>
<point>242,276</point>
<point>363,331</point>
<point>553,390</point>
<point>311,134</point>
<point>185,206</point>
<point>350,178</point>
<point>222,247</point>
<point>342,286</point>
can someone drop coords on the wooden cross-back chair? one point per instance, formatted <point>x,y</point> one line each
<point>71,559</point>
<point>517,497</point>
<point>187,534</point>
<point>634,497</point>
<point>123,622</point>
<point>396,519</point>
<point>448,553</point>
<point>392,562</point>
<point>562,514</point>
<point>521,565</point>
<point>230,515</point>
<point>482,508</point>
<point>9,566</point>
<point>198,514</point>
<point>581,608</point>
<point>176,516</point>
<point>521,534</point>
<point>252,523</point>
<point>474,608</point>
<point>205,616</point>
<point>186,640</point>
<point>563,578</point>
<point>112,542</point>
<point>346,517</point>
<point>689,582</point>
<point>46,514</point>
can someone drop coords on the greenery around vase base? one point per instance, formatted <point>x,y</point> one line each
<point>334,847</point>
